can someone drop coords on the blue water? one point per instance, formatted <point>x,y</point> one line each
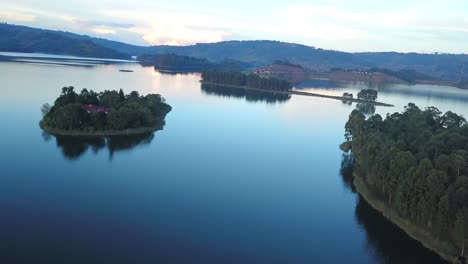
<point>228,180</point>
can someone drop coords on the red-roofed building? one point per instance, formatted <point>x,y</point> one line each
<point>95,108</point>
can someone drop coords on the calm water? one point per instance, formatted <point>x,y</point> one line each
<point>232,178</point>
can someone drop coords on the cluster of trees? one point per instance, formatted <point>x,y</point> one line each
<point>417,162</point>
<point>117,112</point>
<point>186,63</point>
<point>246,80</point>
<point>367,95</point>
<point>247,94</point>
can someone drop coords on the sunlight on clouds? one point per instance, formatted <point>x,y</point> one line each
<point>104,31</point>
<point>164,28</point>
<point>13,16</point>
<point>167,34</point>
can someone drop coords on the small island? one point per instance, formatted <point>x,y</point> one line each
<point>413,168</point>
<point>109,113</point>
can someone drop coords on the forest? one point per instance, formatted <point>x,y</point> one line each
<point>246,80</point>
<point>108,110</point>
<point>417,163</point>
<point>188,64</point>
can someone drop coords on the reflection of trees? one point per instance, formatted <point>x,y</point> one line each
<point>346,170</point>
<point>388,242</point>
<point>365,108</point>
<point>249,95</point>
<point>74,147</point>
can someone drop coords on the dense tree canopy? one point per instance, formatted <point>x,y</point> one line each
<point>188,64</point>
<point>417,161</point>
<point>367,95</point>
<point>108,110</point>
<point>246,80</point>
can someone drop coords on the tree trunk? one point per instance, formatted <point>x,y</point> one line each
<point>463,248</point>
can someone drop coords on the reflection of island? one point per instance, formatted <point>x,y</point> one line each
<point>74,147</point>
<point>387,242</point>
<point>249,95</point>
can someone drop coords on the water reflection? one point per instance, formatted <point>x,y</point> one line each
<point>249,95</point>
<point>74,147</point>
<point>388,243</point>
<point>346,170</point>
<point>366,109</point>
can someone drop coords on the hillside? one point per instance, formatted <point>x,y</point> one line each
<point>172,62</point>
<point>452,67</point>
<point>259,53</point>
<point>25,39</point>
<point>284,70</point>
<point>265,52</point>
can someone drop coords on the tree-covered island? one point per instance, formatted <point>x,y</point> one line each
<point>413,167</point>
<point>242,80</point>
<point>107,113</point>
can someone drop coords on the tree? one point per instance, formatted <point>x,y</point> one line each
<point>121,95</point>
<point>458,157</point>
<point>460,229</point>
<point>367,95</point>
<point>110,99</point>
<point>45,109</point>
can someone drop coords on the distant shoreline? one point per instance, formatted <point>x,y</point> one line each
<point>341,98</point>
<point>109,133</point>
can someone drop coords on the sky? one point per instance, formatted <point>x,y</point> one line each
<point>368,25</point>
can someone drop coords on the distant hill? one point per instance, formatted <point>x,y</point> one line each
<point>452,67</point>
<point>174,62</point>
<point>284,70</point>
<point>265,52</point>
<point>260,53</point>
<point>25,39</point>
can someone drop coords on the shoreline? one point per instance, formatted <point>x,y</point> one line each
<point>110,133</point>
<point>444,249</point>
<point>341,98</point>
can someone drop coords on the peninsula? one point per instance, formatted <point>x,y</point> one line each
<point>109,113</point>
<point>251,81</point>
<point>413,168</point>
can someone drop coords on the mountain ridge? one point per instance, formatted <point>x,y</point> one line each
<point>260,53</point>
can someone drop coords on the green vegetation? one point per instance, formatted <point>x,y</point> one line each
<point>185,63</point>
<point>367,95</point>
<point>25,39</point>
<point>105,113</point>
<point>246,80</point>
<point>407,75</point>
<point>416,162</point>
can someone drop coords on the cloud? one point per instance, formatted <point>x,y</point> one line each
<point>104,31</point>
<point>14,16</point>
<point>166,28</point>
<point>97,23</point>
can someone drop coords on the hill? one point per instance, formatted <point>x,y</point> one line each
<point>452,67</point>
<point>174,62</point>
<point>25,39</point>
<point>265,52</point>
<point>284,70</point>
<point>258,53</point>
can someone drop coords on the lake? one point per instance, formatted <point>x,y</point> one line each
<point>232,178</point>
